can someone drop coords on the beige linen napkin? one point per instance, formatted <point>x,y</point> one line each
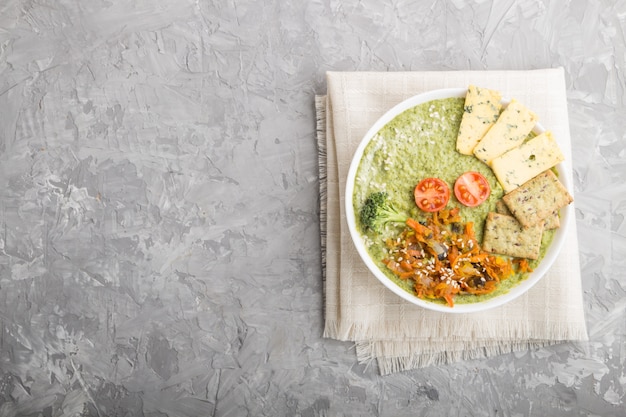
<point>359,308</point>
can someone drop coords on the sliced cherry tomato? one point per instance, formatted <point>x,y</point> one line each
<point>472,189</point>
<point>431,194</point>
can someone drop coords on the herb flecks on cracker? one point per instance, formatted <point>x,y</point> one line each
<point>481,110</point>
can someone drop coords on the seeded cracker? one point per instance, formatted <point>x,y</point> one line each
<point>552,221</point>
<point>505,236</point>
<point>501,208</point>
<point>534,201</point>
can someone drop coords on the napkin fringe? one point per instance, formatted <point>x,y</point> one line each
<point>320,132</point>
<point>513,330</point>
<point>331,330</point>
<point>392,364</point>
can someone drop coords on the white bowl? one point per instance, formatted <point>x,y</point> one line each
<point>567,216</point>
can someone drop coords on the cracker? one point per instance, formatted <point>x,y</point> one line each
<point>501,208</point>
<point>552,221</point>
<point>481,110</point>
<point>504,235</point>
<point>510,130</point>
<point>535,200</point>
<point>528,160</point>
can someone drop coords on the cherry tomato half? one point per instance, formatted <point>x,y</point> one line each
<point>431,194</point>
<point>472,189</point>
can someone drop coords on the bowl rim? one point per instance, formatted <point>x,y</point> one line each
<point>566,216</point>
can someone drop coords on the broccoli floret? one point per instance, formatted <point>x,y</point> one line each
<point>377,212</point>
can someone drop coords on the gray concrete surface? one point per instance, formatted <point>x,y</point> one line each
<point>159,239</point>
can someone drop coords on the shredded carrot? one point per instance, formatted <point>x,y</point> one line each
<point>522,265</point>
<point>446,217</point>
<point>443,263</point>
<point>422,232</point>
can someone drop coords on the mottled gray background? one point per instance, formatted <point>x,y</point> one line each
<point>159,248</point>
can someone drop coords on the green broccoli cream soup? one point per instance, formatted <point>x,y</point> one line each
<point>417,144</point>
